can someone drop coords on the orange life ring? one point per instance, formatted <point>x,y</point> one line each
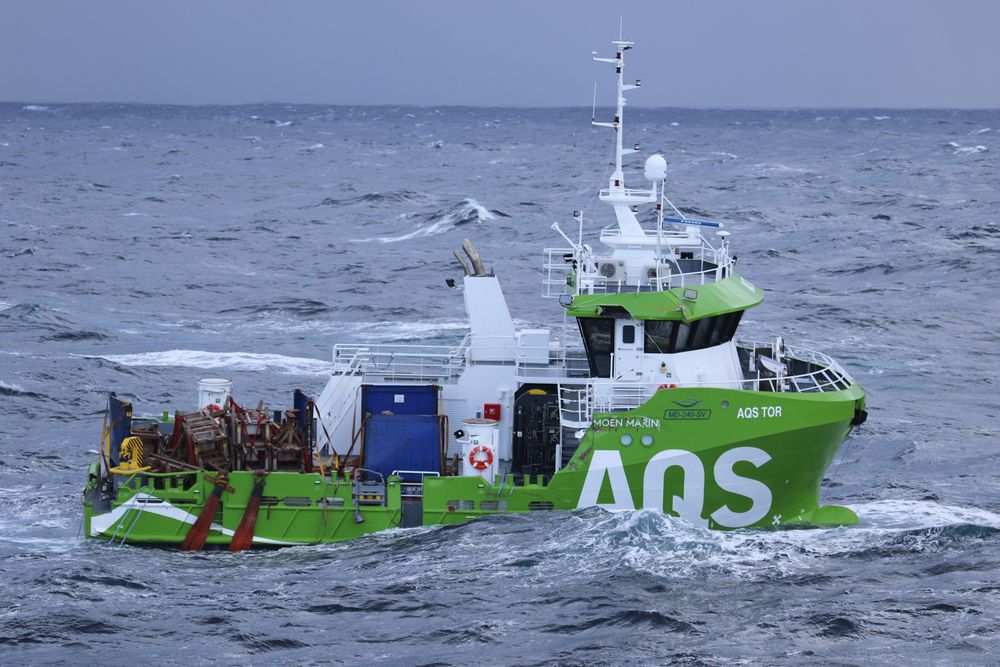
<point>481,464</point>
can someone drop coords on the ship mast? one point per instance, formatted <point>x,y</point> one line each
<point>616,194</point>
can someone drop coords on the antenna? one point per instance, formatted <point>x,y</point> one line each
<point>620,19</point>
<point>593,109</point>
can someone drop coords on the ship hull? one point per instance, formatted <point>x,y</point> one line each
<point>716,458</point>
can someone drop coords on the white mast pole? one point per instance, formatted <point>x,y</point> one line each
<point>618,178</point>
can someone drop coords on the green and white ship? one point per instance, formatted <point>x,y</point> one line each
<point>660,407</point>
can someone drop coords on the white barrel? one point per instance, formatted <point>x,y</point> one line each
<point>480,457</point>
<point>213,391</point>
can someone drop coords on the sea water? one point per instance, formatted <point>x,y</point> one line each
<point>143,248</point>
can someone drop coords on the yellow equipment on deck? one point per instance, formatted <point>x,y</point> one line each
<point>131,449</point>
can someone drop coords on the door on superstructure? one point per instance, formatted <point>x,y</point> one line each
<point>628,350</point>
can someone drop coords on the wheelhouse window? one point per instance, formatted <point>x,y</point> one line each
<point>671,336</point>
<point>598,337</point>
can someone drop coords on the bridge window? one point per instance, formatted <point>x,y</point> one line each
<point>598,338</point>
<point>671,336</point>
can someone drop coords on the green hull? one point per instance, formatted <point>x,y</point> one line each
<point>715,457</point>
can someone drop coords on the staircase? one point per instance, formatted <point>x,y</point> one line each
<point>575,415</point>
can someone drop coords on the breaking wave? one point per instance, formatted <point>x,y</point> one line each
<point>465,212</point>
<point>393,196</point>
<point>239,361</point>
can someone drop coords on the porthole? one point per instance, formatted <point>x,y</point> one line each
<point>626,440</point>
<point>646,440</point>
<point>724,404</point>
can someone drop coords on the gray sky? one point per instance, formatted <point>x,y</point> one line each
<point>694,53</point>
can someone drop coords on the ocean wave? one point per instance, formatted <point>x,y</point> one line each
<point>393,196</point>
<point>297,307</point>
<point>958,149</point>
<point>237,361</point>
<point>11,389</point>
<point>34,314</point>
<point>648,542</point>
<point>463,213</point>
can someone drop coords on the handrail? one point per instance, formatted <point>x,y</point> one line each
<point>578,403</point>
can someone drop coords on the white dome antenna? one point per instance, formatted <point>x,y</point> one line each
<point>656,168</point>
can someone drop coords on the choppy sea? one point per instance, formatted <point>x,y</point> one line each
<point>144,247</point>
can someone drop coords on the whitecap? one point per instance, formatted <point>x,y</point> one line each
<point>35,107</point>
<point>966,150</point>
<point>237,361</point>
<point>468,210</point>
<point>313,147</point>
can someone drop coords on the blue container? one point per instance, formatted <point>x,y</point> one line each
<point>403,442</point>
<point>400,399</point>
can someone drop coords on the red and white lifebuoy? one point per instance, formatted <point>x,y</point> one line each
<point>481,463</point>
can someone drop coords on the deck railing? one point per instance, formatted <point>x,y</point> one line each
<point>561,277</point>
<point>809,371</point>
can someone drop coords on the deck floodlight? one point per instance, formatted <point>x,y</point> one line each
<point>565,300</point>
<point>690,294</point>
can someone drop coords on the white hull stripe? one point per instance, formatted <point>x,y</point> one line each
<point>101,524</point>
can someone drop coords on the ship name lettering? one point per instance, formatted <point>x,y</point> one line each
<point>756,412</point>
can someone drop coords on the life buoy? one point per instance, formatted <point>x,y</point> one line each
<point>478,463</point>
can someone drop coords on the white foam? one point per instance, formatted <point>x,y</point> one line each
<point>881,117</point>
<point>281,123</point>
<point>239,361</point>
<point>915,514</point>
<point>10,386</point>
<point>313,147</point>
<point>35,107</point>
<point>466,209</point>
<point>133,214</point>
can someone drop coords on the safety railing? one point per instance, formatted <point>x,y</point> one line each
<point>805,371</point>
<point>445,363</point>
<point>578,271</point>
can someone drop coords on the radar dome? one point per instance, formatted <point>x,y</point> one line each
<point>656,168</point>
